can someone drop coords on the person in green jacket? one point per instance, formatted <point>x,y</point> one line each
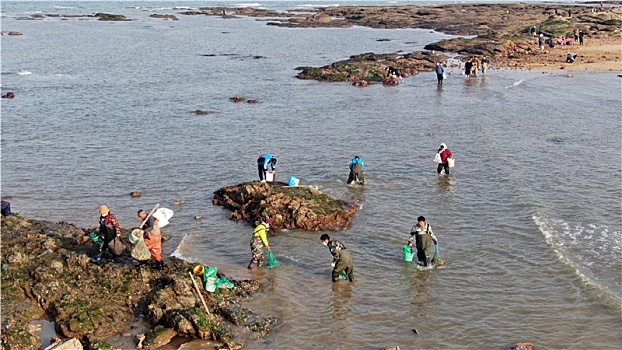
<point>259,239</point>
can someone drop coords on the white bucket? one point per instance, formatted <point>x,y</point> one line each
<point>135,235</point>
<point>296,182</point>
<point>269,176</point>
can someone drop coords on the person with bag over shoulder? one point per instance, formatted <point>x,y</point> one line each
<point>107,231</point>
<point>444,154</point>
<point>153,238</point>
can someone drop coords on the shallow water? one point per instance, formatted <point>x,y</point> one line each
<point>528,222</point>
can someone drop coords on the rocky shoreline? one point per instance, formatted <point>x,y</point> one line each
<point>502,32</point>
<point>47,273</point>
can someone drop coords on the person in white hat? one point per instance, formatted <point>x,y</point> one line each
<point>445,153</point>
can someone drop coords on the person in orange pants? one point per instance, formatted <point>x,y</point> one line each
<point>153,238</point>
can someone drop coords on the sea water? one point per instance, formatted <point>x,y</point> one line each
<point>528,222</point>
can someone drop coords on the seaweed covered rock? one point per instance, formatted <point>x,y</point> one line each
<point>47,273</point>
<point>287,207</point>
<point>371,67</point>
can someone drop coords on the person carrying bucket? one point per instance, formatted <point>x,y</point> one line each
<point>264,162</point>
<point>423,237</point>
<point>258,240</point>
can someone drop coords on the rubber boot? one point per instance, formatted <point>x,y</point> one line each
<point>98,259</point>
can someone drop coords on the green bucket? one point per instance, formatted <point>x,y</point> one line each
<point>408,253</point>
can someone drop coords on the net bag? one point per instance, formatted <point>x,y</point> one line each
<point>271,260</point>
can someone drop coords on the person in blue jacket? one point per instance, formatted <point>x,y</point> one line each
<point>356,171</point>
<point>264,162</point>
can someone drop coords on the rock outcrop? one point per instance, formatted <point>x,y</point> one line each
<point>47,273</point>
<point>288,207</point>
<point>371,67</point>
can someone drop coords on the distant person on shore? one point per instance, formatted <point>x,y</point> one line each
<point>5,208</point>
<point>541,41</point>
<point>570,57</point>
<point>533,31</point>
<point>153,238</point>
<point>485,63</point>
<point>264,162</point>
<point>467,67</point>
<point>474,67</point>
<point>439,73</point>
<point>356,171</point>
<point>342,260</point>
<point>581,34</point>
<point>423,237</point>
<point>576,35</point>
<point>108,229</point>
<point>444,154</point>
<point>258,241</point>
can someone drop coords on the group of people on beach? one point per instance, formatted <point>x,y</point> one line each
<point>473,64</point>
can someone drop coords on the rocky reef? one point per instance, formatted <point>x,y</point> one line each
<point>47,273</point>
<point>370,67</point>
<point>288,207</point>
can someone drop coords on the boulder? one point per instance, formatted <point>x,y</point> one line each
<point>288,207</point>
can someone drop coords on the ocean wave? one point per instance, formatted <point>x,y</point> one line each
<point>24,72</point>
<point>516,83</point>
<point>177,253</point>
<point>250,4</point>
<point>587,248</point>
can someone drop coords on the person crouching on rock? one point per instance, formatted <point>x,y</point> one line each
<point>342,260</point>
<point>258,240</point>
<point>108,229</point>
<point>153,238</point>
<point>356,171</point>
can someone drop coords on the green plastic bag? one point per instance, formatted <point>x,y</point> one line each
<point>223,282</point>
<point>408,253</point>
<point>271,260</point>
<point>343,275</point>
<point>95,237</point>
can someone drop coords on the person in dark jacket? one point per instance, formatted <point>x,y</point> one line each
<point>439,73</point>
<point>6,208</point>
<point>342,260</point>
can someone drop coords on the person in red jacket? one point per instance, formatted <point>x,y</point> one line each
<point>444,153</point>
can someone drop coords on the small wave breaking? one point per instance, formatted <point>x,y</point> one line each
<point>515,84</point>
<point>587,249</point>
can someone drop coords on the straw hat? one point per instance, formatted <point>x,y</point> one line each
<point>198,270</point>
<point>103,210</point>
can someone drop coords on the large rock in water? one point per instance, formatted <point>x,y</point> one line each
<point>287,207</point>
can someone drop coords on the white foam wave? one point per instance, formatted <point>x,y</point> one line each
<point>24,72</point>
<point>516,83</point>
<point>178,251</point>
<point>582,247</point>
<point>250,4</point>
